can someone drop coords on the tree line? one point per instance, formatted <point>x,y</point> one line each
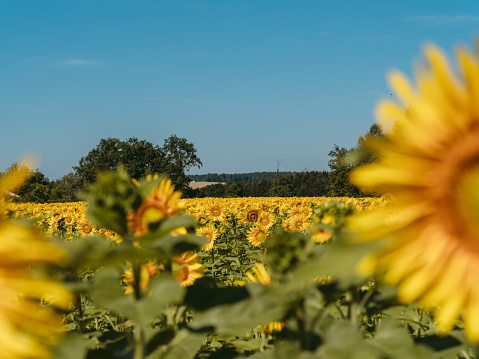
<point>300,184</point>
<point>238,177</point>
<point>177,155</point>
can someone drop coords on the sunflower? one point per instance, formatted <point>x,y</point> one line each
<point>429,162</point>
<point>202,219</point>
<point>251,215</point>
<point>216,212</point>
<point>163,201</point>
<point>257,235</point>
<point>186,268</point>
<point>265,220</point>
<point>85,228</point>
<point>321,235</point>
<point>259,275</point>
<point>296,223</point>
<point>208,232</point>
<point>272,327</point>
<point>147,271</point>
<point>27,327</point>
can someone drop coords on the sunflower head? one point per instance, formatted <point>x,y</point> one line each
<point>257,235</point>
<point>163,201</point>
<point>209,232</point>
<point>187,268</point>
<point>11,181</point>
<point>251,215</point>
<point>27,327</point>
<point>429,162</point>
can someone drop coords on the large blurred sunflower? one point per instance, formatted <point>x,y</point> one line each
<point>187,268</point>
<point>163,201</point>
<point>430,163</point>
<point>26,327</point>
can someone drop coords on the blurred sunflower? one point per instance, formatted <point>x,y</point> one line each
<point>85,228</point>
<point>163,201</point>
<point>147,271</point>
<point>208,232</point>
<point>259,275</point>
<point>296,223</point>
<point>27,328</point>
<point>321,235</point>
<point>187,269</point>
<point>430,163</point>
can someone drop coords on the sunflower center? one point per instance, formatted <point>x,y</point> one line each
<point>151,215</point>
<point>457,189</point>
<point>468,200</point>
<point>261,236</point>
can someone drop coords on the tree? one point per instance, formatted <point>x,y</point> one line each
<point>233,189</point>
<point>177,157</point>
<point>140,158</point>
<point>36,188</point>
<point>280,187</point>
<point>343,161</point>
<point>66,188</point>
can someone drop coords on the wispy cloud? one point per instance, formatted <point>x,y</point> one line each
<point>370,37</point>
<point>77,62</point>
<point>158,99</point>
<point>442,19</point>
<point>356,37</point>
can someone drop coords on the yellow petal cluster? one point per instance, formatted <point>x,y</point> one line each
<point>26,328</point>
<point>162,202</point>
<point>429,162</point>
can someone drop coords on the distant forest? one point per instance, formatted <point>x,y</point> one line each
<point>140,157</point>
<point>264,184</point>
<point>238,177</point>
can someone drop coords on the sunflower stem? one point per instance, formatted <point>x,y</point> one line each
<point>138,335</point>
<point>351,297</point>
<point>136,281</point>
<point>213,262</point>
<point>80,313</point>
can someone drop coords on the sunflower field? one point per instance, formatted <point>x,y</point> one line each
<point>135,271</point>
<point>146,274</point>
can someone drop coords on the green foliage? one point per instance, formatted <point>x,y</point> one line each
<point>343,161</point>
<point>280,187</point>
<point>300,184</point>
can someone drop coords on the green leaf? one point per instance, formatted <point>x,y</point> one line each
<point>205,294</point>
<point>342,340</point>
<point>284,350</point>
<point>163,290</point>
<point>73,346</point>
<point>184,345</point>
<point>394,340</point>
<point>338,259</point>
<point>247,345</point>
<point>267,304</point>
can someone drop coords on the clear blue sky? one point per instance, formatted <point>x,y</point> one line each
<point>248,82</point>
